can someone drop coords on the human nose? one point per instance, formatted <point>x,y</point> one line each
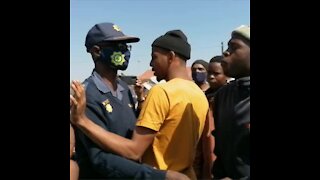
<point>226,53</point>
<point>151,63</point>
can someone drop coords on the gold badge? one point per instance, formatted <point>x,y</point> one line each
<point>107,105</point>
<point>117,58</point>
<point>115,27</point>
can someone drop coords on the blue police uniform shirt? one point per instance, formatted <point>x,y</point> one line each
<point>115,112</point>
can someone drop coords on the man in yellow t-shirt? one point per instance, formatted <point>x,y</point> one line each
<point>176,110</point>
<point>172,117</point>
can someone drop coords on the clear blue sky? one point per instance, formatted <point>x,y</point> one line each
<point>206,23</point>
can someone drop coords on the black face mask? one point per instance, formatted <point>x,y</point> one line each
<point>115,58</point>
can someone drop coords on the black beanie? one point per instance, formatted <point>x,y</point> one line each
<point>202,62</point>
<point>176,41</point>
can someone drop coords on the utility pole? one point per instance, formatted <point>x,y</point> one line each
<point>221,47</point>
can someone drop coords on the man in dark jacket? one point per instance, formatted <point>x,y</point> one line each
<point>232,111</point>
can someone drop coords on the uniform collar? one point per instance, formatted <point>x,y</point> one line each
<point>102,86</point>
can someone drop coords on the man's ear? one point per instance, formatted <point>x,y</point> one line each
<point>95,52</point>
<point>171,56</point>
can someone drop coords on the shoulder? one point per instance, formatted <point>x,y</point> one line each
<point>228,88</point>
<point>92,91</point>
<point>158,88</point>
<point>177,84</point>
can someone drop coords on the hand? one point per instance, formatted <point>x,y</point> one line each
<point>173,175</point>
<point>78,100</point>
<point>139,89</point>
<point>71,103</point>
<point>71,93</point>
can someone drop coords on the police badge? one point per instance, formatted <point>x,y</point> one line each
<point>107,105</point>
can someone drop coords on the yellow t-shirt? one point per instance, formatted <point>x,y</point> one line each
<point>177,111</point>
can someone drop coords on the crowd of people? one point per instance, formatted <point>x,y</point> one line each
<point>183,128</point>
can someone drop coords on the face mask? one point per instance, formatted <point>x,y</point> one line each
<point>116,59</point>
<point>199,77</point>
